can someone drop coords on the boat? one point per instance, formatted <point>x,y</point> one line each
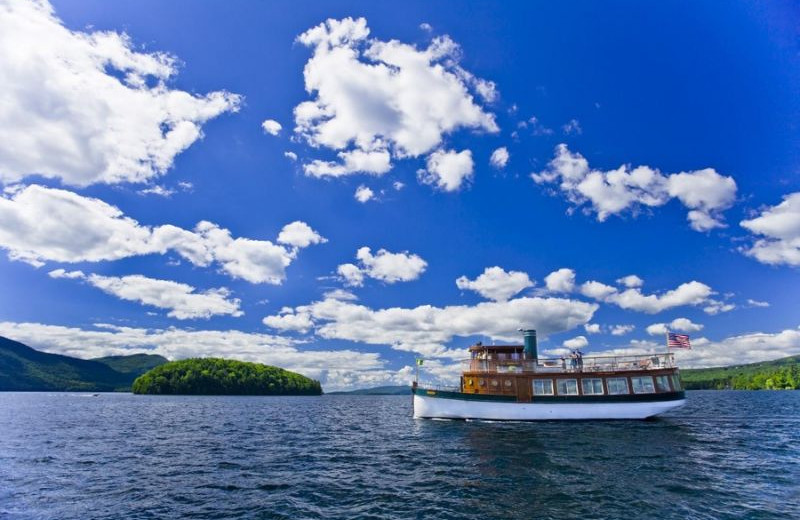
<point>511,382</point>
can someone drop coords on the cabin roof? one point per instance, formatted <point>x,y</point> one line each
<point>496,348</point>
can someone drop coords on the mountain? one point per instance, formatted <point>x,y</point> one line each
<point>777,374</point>
<point>378,390</point>
<point>25,369</point>
<point>135,364</point>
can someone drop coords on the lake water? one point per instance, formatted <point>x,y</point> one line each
<point>73,456</point>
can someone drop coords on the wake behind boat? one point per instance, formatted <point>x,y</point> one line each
<point>511,382</point>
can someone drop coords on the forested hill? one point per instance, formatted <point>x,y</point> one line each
<point>778,374</point>
<point>215,376</point>
<point>25,369</point>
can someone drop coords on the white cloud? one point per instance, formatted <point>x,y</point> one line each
<point>180,298</point>
<point>397,185</point>
<point>756,303</point>
<point>378,99</point>
<point>496,284</point>
<point>340,294</point>
<point>780,228</point>
<point>288,320</point>
<point>376,162</point>
<point>578,342</point>
<point>592,328</point>
<point>426,27</point>
<point>86,107</point>
<point>333,368</point>
<point>676,325</point>
<point>704,192</point>
<point>714,307</point>
<point>597,290</point>
<point>364,194</point>
<point>39,224</point>
<point>690,293</point>
<point>572,127</point>
<point>621,330</point>
<point>351,274</point>
<point>290,155</point>
<point>562,280</point>
<point>499,158</point>
<point>384,266</point>
<point>735,350</point>
<point>630,281</point>
<point>426,329</point>
<point>70,275</point>
<point>158,190</point>
<point>271,127</point>
<point>447,170</point>
<point>299,234</point>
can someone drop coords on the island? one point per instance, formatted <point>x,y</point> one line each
<point>216,376</point>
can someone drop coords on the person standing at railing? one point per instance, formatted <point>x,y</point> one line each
<point>579,360</point>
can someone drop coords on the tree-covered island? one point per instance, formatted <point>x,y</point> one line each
<point>215,376</point>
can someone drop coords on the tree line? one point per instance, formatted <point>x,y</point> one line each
<point>215,376</point>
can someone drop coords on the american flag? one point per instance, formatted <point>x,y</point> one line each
<point>678,340</point>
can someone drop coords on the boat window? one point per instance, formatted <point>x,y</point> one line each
<point>494,382</point>
<point>617,385</point>
<point>592,386</point>
<point>469,382</point>
<point>567,387</point>
<point>642,385</point>
<point>507,382</point>
<point>662,383</point>
<point>676,382</point>
<point>542,387</point>
<point>481,382</point>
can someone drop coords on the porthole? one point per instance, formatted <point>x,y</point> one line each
<point>481,382</point>
<point>508,383</point>
<point>494,382</point>
<point>469,382</point>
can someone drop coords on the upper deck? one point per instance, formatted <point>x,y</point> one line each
<point>511,359</point>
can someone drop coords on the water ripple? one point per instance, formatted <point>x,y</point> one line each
<point>726,455</point>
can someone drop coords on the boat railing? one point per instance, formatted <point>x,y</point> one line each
<point>636,363</point>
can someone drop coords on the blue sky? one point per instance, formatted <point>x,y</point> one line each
<point>313,186</point>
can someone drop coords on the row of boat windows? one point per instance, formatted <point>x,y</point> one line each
<point>613,386</point>
<point>594,385</point>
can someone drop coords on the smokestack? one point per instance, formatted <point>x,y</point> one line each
<point>531,351</point>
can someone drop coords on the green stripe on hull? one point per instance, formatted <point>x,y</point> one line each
<point>628,398</point>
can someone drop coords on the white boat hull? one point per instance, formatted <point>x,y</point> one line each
<point>446,408</point>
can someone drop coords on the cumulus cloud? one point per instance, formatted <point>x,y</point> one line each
<point>592,328</point>
<point>182,300</point>
<point>299,234</point>
<point>288,320</point>
<point>630,281</point>
<point>621,330</point>
<point>677,325</point>
<point>427,329</point>
<point>374,99</point>
<point>499,158</point>
<point>364,194</point>
<point>576,343</point>
<point>704,192</point>
<point>734,350</point>
<point>536,126</point>
<point>597,290</point>
<point>290,155</point>
<point>447,170</point>
<point>779,230</point>
<point>384,266</point>
<point>690,293</point>
<point>496,284</point>
<point>271,127</point>
<point>39,224</point>
<point>86,107</point>
<point>562,280</point>
<point>333,368</point>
